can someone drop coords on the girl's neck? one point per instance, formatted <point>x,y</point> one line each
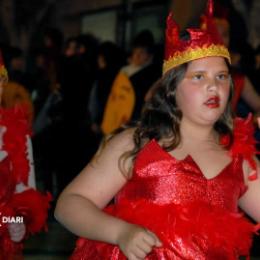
<point>194,133</point>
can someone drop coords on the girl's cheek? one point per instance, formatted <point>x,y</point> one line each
<point>226,92</point>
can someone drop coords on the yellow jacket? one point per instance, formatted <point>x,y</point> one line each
<point>120,104</point>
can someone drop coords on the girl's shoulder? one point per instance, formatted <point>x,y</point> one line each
<point>114,147</point>
<point>123,140</point>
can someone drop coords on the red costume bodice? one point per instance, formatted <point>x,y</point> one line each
<point>194,217</point>
<point>160,178</point>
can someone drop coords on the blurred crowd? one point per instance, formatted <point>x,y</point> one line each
<point>67,87</point>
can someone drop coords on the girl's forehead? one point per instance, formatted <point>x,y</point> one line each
<point>208,63</point>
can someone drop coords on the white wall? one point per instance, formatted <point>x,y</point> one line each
<point>102,25</point>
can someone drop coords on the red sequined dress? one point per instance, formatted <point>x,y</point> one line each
<point>29,204</point>
<point>195,217</point>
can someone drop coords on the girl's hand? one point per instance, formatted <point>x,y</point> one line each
<point>17,231</point>
<point>137,242</point>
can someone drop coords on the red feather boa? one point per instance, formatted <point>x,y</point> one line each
<point>15,142</point>
<point>244,143</point>
<point>14,169</point>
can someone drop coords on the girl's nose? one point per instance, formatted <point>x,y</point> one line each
<point>212,84</point>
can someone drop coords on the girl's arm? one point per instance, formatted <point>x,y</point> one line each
<point>79,206</point>
<point>250,201</point>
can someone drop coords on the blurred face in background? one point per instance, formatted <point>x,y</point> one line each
<point>40,61</point>
<point>101,62</point>
<point>257,61</point>
<point>223,29</point>
<point>71,49</point>
<point>17,63</point>
<point>140,56</point>
<point>81,49</point>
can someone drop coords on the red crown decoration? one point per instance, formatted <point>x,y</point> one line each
<point>3,71</point>
<point>203,42</point>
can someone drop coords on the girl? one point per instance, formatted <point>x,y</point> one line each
<point>179,175</point>
<point>23,210</point>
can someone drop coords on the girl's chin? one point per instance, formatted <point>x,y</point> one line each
<point>210,119</point>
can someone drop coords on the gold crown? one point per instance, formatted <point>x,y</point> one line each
<point>192,54</point>
<point>203,42</point>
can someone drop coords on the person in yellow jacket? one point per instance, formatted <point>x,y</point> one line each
<point>15,94</point>
<point>131,84</point>
<point>120,104</point>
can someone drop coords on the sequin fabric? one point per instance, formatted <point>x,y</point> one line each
<point>181,181</point>
<point>195,217</point>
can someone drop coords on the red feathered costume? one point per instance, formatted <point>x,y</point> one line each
<point>194,217</point>
<point>14,169</point>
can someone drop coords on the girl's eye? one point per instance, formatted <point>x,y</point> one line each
<point>222,77</point>
<point>197,77</point>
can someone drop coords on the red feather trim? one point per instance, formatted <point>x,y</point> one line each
<point>33,206</point>
<point>15,141</point>
<point>244,143</point>
<point>187,231</point>
<point>10,250</point>
<point>30,204</point>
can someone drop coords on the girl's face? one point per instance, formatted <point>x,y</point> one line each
<point>203,93</point>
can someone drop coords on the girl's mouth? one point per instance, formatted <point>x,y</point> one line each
<point>213,102</point>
